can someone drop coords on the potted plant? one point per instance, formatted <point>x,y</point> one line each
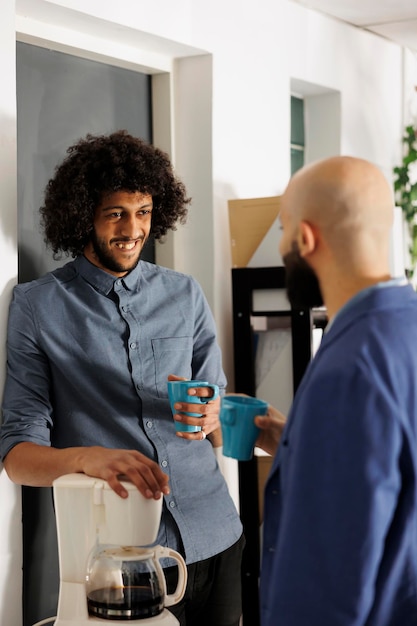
<point>405,189</point>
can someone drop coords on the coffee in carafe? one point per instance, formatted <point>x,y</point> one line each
<point>128,582</point>
<point>125,603</point>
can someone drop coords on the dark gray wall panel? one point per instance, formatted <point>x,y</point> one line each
<point>61,98</point>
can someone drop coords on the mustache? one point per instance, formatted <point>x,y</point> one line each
<point>127,239</point>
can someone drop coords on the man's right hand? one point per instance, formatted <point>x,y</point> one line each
<point>38,466</point>
<point>114,465</point>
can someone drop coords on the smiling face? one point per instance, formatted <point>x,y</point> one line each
<point>122,223</point>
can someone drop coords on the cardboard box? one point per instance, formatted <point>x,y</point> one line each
<point>251,220</point>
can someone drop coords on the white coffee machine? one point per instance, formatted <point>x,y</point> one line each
<point>108,572</point>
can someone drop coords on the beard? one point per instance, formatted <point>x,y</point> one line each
<point>303,289</point>
<point>107,260</point>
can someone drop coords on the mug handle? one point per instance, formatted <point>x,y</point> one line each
<point>215,395</point>
<point>228,415</point>
<point>178,594</point>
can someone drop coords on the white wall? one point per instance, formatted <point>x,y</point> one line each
<point>366,70</point>
<point>8,216</point>
<point>10,507</point>
<point>352,105</point>
<point>230,66</point>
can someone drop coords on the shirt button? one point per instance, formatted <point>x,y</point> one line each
<point>133,345</point>
<point>149,424</point>
<point>271,549</point>
<point>164,463</point>
<point>172,504</point>
<point>118,283</point>
<point>274,492</point>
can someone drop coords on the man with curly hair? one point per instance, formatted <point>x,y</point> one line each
<point>91,346</point>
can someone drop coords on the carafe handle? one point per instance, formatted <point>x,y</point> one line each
<point>178,594</point>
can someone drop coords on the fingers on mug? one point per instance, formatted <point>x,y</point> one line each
<point>178,391</point>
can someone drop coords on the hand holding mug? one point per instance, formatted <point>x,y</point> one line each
<point>271,427</point>
<point>195,405</point>
<point>239,430</point>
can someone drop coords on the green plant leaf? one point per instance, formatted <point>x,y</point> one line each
<point>406,192</point>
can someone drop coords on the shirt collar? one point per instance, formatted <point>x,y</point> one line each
<point>392,282</point>
<point>102,280</point>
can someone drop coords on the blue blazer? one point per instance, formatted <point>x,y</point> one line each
<point>340,522</point>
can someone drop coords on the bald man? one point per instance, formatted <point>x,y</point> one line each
<point>340,521</point>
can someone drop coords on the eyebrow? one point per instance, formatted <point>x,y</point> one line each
<point>121,206</point>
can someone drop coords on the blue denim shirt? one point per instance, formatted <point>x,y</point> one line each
<point>88,360</point>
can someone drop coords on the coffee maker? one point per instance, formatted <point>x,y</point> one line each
<point>110,570</point>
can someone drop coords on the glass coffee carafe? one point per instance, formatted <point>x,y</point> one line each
<point>128,582</point>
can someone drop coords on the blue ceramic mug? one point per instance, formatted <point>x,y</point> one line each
<point>178,392</point>
<point>239,430</point>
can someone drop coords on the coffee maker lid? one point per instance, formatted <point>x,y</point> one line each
<point>79,480</point>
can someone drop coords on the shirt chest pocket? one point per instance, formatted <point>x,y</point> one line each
<point>171,355</point>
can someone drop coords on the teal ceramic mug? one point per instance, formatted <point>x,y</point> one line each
<point>178,392</point>
<point>239,430</point>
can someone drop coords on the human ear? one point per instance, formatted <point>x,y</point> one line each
<point>307,239</point>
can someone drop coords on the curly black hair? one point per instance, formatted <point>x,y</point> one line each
<point>102,164</point>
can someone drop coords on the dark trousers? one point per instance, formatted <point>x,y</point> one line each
<point>213,596</point>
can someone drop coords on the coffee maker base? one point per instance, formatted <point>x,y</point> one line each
<point>166,618</point>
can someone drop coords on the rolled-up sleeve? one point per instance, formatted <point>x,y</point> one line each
<point>27,413</point>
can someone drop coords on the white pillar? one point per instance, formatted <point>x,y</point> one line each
<point>10,508</point>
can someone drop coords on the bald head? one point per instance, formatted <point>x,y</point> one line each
<point>349,200</point>
<point>337,216</point>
